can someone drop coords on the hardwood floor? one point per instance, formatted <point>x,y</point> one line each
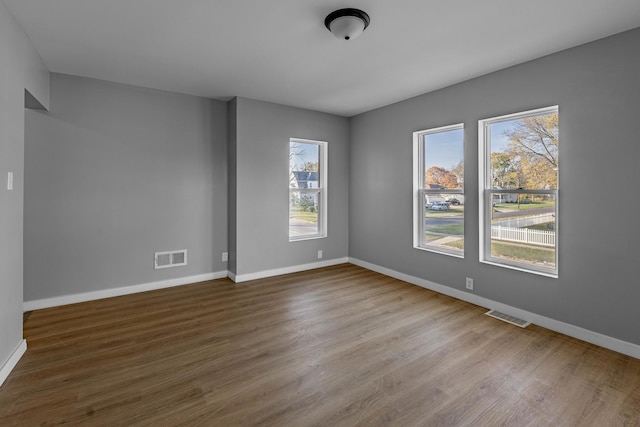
<point>339,346</point>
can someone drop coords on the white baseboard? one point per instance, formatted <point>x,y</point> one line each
<point>12,361</point>
<point>115,292</point>
<point>126,290</point>
<point>592,337</point>
<point>286,270</point>
<point>596,338</point>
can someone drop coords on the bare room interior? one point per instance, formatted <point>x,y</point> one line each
<point>296,213</point>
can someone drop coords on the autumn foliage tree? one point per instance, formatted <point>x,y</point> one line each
<point>310,167</point>
<point>440,176</point>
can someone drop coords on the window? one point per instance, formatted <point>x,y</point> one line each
<point>307,189</point>
<point>439,190</point>
<point>519,191</point>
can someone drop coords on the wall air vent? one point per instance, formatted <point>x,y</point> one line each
<point>170,259</point>
<point>509,319</point>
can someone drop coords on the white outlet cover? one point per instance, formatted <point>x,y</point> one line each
<point>469,283</point>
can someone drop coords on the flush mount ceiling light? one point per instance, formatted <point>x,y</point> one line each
<point>347,24</point>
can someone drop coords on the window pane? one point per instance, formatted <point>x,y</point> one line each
<point>440,178</point>
<point>524,152</point>
<point>444,159</point>
<point>523,229</point>
<point>444,222</point>
<point>307,189</point>
<point>303,214</point>
<point>304,161</point>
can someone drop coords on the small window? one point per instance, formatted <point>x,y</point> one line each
<point>519,191</point>
<point>439,190</point>
<point>307,189</point>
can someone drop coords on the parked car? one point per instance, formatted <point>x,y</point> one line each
<point>440,206</point>
<point>453,201</point>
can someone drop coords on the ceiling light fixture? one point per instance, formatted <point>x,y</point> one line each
<point>347,24</point>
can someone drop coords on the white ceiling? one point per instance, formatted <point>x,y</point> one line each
<point>280,51</point>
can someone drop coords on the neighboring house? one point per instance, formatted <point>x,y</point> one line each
<point>432,198</point>
<point>504,198</point>
<point>433,187</point>
<point>303,179</point>
<point>442,197</point>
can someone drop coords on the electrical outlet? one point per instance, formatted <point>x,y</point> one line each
<point>469,283</point>
<point>225,256</point>
<point>320,254</point>
<point>10,181</point>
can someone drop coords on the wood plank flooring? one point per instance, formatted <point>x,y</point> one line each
<point>339,346</point>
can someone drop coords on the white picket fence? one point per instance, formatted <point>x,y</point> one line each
<point>524,235</point>
<point>525,221</point>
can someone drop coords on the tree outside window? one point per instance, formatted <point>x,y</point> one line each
<point>439,190</point>
<point>519,196</point>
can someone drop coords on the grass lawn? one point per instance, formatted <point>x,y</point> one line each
<point>508,251</point>
<point>546,226</point>
<point>525,206</point>
<point>523,253</point>
<point>458,244</point>
<point>302,215</point>
<point>438,214</point>
<point>452,229</point>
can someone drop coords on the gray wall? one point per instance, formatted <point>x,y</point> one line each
<point>261,177</point>
<point>597,88</point>
<point>115,173</point>
<point>232,108</point>
<point>20,67</point>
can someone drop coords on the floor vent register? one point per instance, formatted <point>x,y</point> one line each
<point>509,319</point>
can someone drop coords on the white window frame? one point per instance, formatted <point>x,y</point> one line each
<point>321,190</point>
<point>486,200</point>
<point>419,192</point>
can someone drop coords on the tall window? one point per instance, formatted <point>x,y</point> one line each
<point>439,190</point>
<point>519,191</point>
<point>307,189</point>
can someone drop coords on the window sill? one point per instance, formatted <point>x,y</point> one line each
<point>523,269</point>
<point>302,238</point>
<point>441,252</point>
